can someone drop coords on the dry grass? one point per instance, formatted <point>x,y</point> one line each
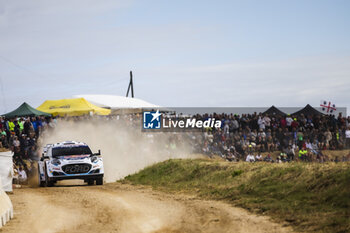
<point>3,149</point>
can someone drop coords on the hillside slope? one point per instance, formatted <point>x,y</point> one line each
<point>309,197</point>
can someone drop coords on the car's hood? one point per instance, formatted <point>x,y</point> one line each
<point>74,157</point>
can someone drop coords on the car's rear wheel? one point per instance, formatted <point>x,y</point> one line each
<point>99,181</point>
<point>90,182</point>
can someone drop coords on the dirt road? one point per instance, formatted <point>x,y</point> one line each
<point>124,208</point>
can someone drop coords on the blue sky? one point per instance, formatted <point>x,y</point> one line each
<point>182,53</point>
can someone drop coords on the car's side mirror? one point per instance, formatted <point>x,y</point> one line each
<point>44,157</point>
<point>98,153</point>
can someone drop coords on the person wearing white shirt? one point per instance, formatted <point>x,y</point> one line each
<point>250,158</point>
<point>308,145</point>
<point>267,121</point>
<point>261,123</point>
<point>289,121</point>
<point>22,175</point>
<point>347,138</point>
<point>258,157</point>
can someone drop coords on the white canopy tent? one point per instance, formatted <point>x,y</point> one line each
<point>115,102</point>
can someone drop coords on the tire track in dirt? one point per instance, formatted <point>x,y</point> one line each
<point>125,208</point>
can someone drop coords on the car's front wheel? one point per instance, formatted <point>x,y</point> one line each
<point>99,181</point>
<point>41,182</point>
<point>48,183</point>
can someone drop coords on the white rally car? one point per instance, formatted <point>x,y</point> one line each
<point>70,160</point>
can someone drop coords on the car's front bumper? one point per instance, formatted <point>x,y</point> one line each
<point>79,177</point>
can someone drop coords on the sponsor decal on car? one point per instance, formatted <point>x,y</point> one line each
<point>74,157</point>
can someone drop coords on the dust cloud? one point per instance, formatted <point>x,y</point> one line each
<point>124,148</point>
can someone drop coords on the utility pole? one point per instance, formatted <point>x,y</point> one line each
<point>131,85</point>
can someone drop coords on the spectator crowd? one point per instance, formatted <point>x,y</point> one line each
<point>240,138</point>
<point>295,137</point>
<point>20,135</point>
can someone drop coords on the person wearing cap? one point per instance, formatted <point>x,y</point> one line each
<point>250,148</point>
<point>268,158</point>
<point>302,154</point>
<point>295,123</point>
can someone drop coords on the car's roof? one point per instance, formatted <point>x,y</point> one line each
<point>66,144</point>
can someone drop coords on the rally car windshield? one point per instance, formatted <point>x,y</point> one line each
<point>74,150</point>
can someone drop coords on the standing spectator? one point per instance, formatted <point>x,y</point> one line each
<point>235,125</point>
<point>16,144</point>
<point>28,127</point>
<point>261,123</point>
<point>52,123</point>
<point>295,123</point>
<point>17,128</point>
<point>3,141</point>
<point>328,137</point>
<point>290,152</point>
<point>21,125</point>
<point>11,125</point>
<point>300,138</point>
<point>347,138</point>
<point>35,126</point>
<point>226,127</point>
<point>39,124</point>
<point>267,121</point>
<point>283,122</point>
<point>23,141</point>
<point>289,121</point>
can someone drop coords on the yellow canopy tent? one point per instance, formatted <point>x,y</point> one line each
<point>72,107</point>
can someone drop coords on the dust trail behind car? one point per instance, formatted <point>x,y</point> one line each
<point>124,148</point>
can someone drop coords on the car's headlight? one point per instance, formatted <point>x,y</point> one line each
<point>94,159</point>
<point>56,162</point>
